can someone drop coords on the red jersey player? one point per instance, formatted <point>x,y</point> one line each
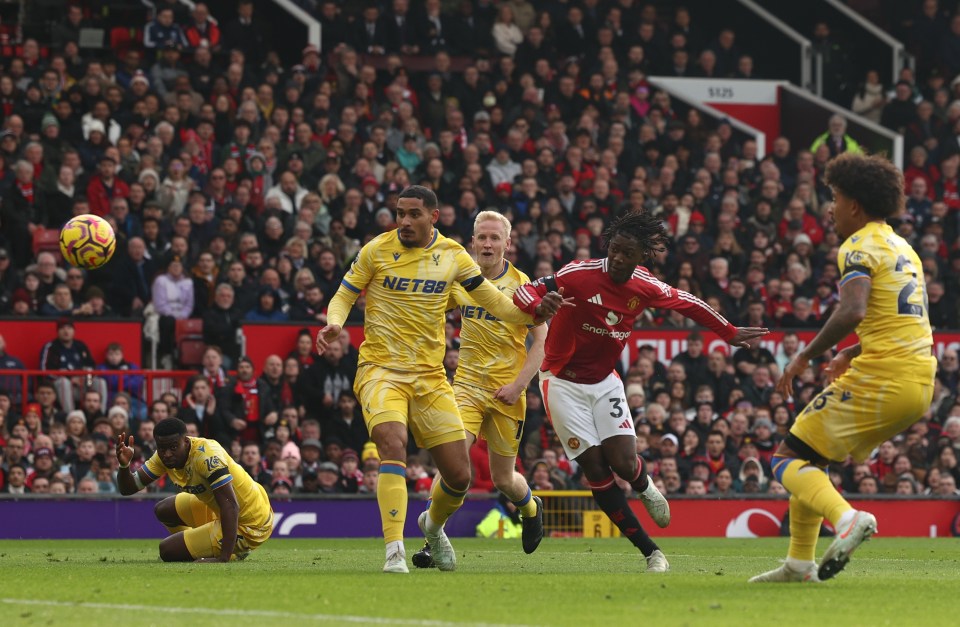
<point>583,396</point>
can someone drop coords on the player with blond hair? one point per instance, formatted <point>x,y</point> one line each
<point>408,274</point>
<point>494,371</point>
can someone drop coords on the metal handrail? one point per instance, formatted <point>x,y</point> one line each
<point>806,48</point>
<point>313,24</point>
<point>898,50</point>
<point>149,376</point>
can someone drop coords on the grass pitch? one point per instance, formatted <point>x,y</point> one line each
<point>566,582</point>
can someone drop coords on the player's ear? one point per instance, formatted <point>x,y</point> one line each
<point>435,215</point>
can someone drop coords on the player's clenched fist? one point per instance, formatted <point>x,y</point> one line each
<point>326,336</point>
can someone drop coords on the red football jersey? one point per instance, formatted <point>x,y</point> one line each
<point>585,342</point>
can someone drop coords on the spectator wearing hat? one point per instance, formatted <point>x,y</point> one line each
<point>350,474</point>
<point>281,486</point>
<point>311,452</point>
<point>328,478</point>
<point>763,438</point>
<point>43,465</point>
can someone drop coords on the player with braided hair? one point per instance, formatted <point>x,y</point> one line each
<point>582,394</point>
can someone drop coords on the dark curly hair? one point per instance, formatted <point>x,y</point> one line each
<point>871,180</point>
<point>648,230</point>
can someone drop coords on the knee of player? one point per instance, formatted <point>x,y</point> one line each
<point>391,445</point>
<point>167,554</point>
<point>625,466</point>
<point>458,480</point>
<point>158,510</point>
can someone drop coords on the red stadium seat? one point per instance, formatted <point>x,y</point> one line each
<point>46,240</point>
<point>188,337</point>
<point>122,38</point>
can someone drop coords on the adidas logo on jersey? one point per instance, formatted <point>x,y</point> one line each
<point>596,300</point>
<point>625,425</point>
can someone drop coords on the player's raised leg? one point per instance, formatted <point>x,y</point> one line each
<point>613,502</point>
<point>446,498</point>
<point>390,436</point>
<point>621,453</point>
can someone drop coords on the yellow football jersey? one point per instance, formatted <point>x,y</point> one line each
<point>492,352</point>
<point>407,290</point>
<point>210,467</point>
<point>895,335</point>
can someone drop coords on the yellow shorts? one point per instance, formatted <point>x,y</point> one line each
<point>423,402</point>
<point>858,412</point>
<point>205,535</point>
<point>501,425</point>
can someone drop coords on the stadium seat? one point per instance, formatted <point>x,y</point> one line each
<point>46,240</point>
<point>122,38</point>
<point>188,337</point>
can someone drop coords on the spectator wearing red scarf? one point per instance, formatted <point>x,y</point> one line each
<point>203,31</point>
<point>243,393</point>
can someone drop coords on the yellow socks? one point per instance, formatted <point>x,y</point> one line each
<point>392,499</point>
<point>526,505</point>
<point>444,501</point>
<point>811,487</point>
<point>804,531</point>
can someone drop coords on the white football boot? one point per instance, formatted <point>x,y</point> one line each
<point>441,550</point>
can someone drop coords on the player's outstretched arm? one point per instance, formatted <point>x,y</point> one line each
<point>854,295</point>
<point>746,336</point>
<point>129,482</point>
<point>510,393</point>
<point>486,295</point>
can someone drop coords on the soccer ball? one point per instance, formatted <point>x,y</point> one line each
<point>87,241</point>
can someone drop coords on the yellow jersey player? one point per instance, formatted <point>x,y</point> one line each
<point>878,387</point>
<point>408,274</point>
<point>493,374</point>
<point>220,514</point>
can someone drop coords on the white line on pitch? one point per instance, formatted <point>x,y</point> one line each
<point>342,618</point>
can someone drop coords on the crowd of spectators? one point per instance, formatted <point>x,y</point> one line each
<point>240,188</point>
